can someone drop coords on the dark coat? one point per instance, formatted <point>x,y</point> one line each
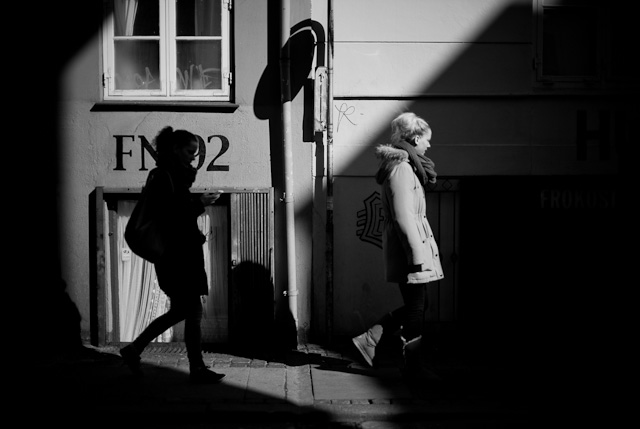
<point>181,268</point>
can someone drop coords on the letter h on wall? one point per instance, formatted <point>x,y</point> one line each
<point>601,135</point>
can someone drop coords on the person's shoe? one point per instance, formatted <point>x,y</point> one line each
<point>203,375</point>
<point>366,343</point>
<point>132,359</point>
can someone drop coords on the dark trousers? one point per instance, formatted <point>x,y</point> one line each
<point>411,315</point>
<point>183,307</point>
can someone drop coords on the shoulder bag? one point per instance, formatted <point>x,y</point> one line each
<point>142,232</point>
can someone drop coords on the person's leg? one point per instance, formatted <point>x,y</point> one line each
<point>157,327</point>
<point>393,321</point>
<point>131,353</point>
<point>198,371</point>
<point>415,300</point>
<point>192,331</point>
<point>367,342</point>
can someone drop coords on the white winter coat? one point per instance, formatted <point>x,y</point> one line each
<point>408,239</point>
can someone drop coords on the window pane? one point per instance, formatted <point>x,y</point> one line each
<point>198,18</point>
<point>136,17</point>
<point>137,64</point>
<point>569,44</point>
<point>198,64</point>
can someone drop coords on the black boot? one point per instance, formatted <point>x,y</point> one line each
<point>390,323</point>
<point>412,356</point>
<point>131,358</point>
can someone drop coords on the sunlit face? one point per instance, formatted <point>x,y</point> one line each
<point>187,154</point>
<point>423,143</point>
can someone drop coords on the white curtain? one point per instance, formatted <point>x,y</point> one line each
<point>125,16</point>
<point>216,327</point>
<point>139,296</point>
<point>205,18</point>
<point>212,223</point>
<point>204,224</point>
<point>140,299</point>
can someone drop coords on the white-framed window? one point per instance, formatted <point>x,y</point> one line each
<point>167,50</point>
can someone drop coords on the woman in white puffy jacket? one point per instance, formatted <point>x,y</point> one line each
<point>410,251</point>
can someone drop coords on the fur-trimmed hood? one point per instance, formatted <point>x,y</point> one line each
<point>389,157</point>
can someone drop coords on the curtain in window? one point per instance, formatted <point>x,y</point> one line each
<point>125,16</point>
<point>204,224</point>
<point>205,17</point>
<point>140,298</point>
<point>214,225</point>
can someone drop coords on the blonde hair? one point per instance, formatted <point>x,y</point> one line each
<point>407,126</point>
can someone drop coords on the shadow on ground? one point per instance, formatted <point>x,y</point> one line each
<point>91,387</point>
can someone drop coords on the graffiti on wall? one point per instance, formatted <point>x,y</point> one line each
<point>370,221</point>
<point>136,80</point>
<point>218,144</point>
<point>344,113</point>
<point>195,77</point>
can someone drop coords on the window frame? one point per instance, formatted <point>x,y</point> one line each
<point>245,207</point>
<point>167,59</point>
<point>566,81</point>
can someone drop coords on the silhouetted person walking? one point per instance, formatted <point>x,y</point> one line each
<point>180,270</point>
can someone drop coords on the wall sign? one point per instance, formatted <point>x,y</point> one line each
<point>585,199</point>
<point>216,144</point>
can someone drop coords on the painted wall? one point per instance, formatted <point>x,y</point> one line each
<point>466,67</point>
<point>100,147</point>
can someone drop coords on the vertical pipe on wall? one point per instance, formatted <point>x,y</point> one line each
<point>329,226</point>
<point>289,198</point>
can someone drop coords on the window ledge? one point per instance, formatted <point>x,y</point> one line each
<point>177,106</point>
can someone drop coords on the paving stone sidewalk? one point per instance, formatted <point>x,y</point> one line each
<point>308,387</point>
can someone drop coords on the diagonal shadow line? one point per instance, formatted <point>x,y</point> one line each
<point>51,128</point>
<point>97,386</point>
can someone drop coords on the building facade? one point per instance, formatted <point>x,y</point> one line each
<point>527,99</point>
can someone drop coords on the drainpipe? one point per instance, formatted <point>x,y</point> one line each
<point>289,199</point>
<point>329,226</point>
